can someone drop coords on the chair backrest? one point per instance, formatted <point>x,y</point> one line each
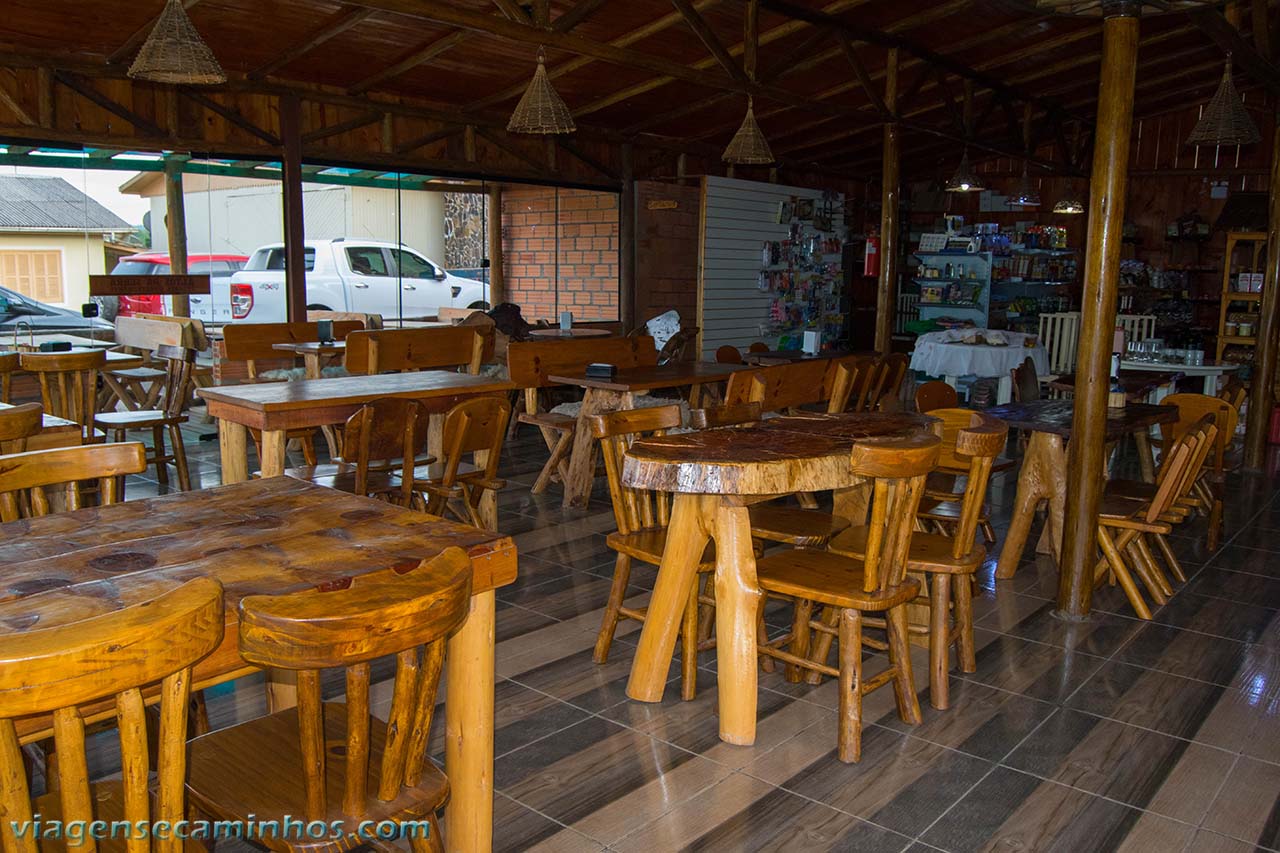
<point>935,394</point>
<point>142,333</point>
<point>739,388</point>
<point>9,362</point>
<point>383,430</point>
<point>472,426</point>
<point>725,416</point>
<point>758,346</point>
<point>679,348</point>
<point>850,377</point>
<point>1174,469</point>
<point>633,509</point>
<point>897,467</point>
<point>1193,407</point>
<point>780,387</point>
<point>68,383</point>
<point>252,342</point>
<point>1204,434</point>
<point>17,424</point>
<point>366,321</point>
<point>1137,327</point>
<point>1026,384</point>
<point>384,613</point>
<point>24,477</point>
<point>530,363</point>
<point>193,331</point>
<point>1060,336</point>
<point>177,381</point>
<point>1233,392</point>
<point>403,350</point>
<point>728,354</point>
<point>879,378</point>
<point>112,656</point>
<point>976,439</point>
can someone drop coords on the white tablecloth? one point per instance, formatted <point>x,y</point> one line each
<point>940,354</point>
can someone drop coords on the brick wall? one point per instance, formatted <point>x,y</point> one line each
<point>667,250</point>
<point>587,252</point>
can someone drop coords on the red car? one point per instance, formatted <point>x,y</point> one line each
<point>157,263</point>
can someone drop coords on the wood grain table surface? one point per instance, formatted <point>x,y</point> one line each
<point>54,432</point>
<point>557,332</point>
<point>1136,386</point>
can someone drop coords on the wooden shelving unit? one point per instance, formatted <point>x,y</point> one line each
<point>1252,246</point>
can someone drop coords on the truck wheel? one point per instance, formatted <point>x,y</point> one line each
<point>319,308</point>
<point>479,306</point>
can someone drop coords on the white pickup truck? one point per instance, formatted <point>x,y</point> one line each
<point>364,276</point>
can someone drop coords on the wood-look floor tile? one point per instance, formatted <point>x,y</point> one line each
<point>571,594</point>
<point>1238,558</point>
<point>981,721</point>
<point>575,678</point>
<point>1239,621</point>
<point>513,621</point>
<point>1248,806</point>
<point>517,828</point>
<point>1220,582</point>
<point>1034,619</point>
<point>1190,654</point>
<point>1040,671</point>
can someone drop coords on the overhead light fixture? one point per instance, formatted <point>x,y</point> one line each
<point>1028,192</point>
<point>1071,202</point>
<point>541,109</point>
<point>748,146</point>
<point>1224,120</point>
<point>175,53</point>
<point>965,180</point>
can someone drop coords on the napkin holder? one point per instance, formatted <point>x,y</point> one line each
<point>55,346</point>
<point>599,370</point>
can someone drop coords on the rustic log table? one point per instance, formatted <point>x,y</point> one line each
<point>313,353</point>
<point>1044,465</point>
<point>1137,387</point>
<point>716,475</point>
<point>276,407</point>
<point>269,537</point>
<point>619,392</point>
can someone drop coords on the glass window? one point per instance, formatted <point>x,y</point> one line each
<point>367,260</point>
<point>275,259</point>
<point>37,274</point>
<point>134,268</point>
<point>413,266</point>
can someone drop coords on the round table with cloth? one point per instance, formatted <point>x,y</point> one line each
<point>945,354</point>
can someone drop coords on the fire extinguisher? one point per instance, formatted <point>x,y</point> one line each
<point>871,256</point>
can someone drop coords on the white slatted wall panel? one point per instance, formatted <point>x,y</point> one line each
<point>738,217</point>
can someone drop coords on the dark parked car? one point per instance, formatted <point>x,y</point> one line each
<point>16,310</point>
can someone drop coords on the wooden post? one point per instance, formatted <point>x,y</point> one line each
<point>627,243</point>
<point>1098,308</point>
<point>295,276</point>
<point>175,218</point>
<point>497,272</point>
<point>1262,385</point>
<point>886,293</point>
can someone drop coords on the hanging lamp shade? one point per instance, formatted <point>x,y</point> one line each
<point>1028,192</point>
<point>541,109</point>
<point>965,180</point>
<point>175,53</point>
<point>1071,203</point>
<point>1225,121</point>
<point>748,146</point>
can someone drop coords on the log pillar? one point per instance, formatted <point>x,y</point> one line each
<point>886,294</point>
<point>1098,309</point>
<point>295,275</point>
<point>175,220</point>
<point>497,272</point>
<point>1262,384</point>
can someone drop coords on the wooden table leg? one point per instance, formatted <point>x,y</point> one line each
<point>737,607</point>
<point>468,746</point>
<point>1035,483</point>
<point>233,439</point>
<point>692,517</point>
<point>1146,465</point>
<point>119,393</point>
<point>273,452</point>
<point>487,509</point>
<point>582,462</point>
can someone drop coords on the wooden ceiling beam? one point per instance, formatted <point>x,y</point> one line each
<point>341,127</point>
<point>134,41</point>
<point>568,146</point>
<point>512,151</point>
<point>89,93</point>
<point>335,26</point>
<point>513,11</point>
<point>231,115</point>
<point>411,60</point>
<point>426,139</point>
<point>582,10</point>
<point>709,39</point>
<point>864,79</point>
<point>1232,41</point>
<point>11,103</point>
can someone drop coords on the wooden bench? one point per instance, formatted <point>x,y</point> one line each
<point>382,350</point>
<point>532,363</point>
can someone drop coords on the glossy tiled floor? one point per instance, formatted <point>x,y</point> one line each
<point>1113,734</point>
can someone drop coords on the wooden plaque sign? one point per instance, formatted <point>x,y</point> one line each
<point>139,285</point>
<point>663,204</point>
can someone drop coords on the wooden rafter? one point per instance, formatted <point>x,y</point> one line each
<point>513,11</point>
<point>709,39</point>
<point>567,145</point>
<point>751,39</point>
<point>134,41</point>
<point>582,10</point>
<point>426,139</point>
<point>864,79</point>
<point>341,127</point>
<point>334,26</point>
<point>1243,53</point>
<point>11,103</point>
<point>413,59</point>
<point>89,93</point>
<point>501,144</point>
<point>232,115</point>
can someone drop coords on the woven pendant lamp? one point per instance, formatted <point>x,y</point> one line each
<point>965,180</point>
<point>748,146</point>
<point>175,53</point>
<point>541,109</point>
<point>1225,121</point>
<point>1071,202</point>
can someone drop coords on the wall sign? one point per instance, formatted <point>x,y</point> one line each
<point>141,285</point>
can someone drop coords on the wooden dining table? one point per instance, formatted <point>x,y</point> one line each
<point>611,394</point>
<point>314,353</point>
<point>1044,464</point>
<point>716,475</point>
<point>576,332</point>
<point>1137,387</point>
<point>54,432</point>
<point>786,356</point>
<point>276,407</point>
<point>266,537</point>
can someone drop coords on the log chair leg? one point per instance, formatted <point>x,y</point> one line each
<point>707,612</point>
<point>559,450</point>
<point>821,644</point>
<point>737,603</point>
<point>609,623</point>
<point>1143,571</point>
<point>904,687</point>
<point>1149,559</point>
<point>1170,558</point>
<point>939,640</point>
<point>962,597</point>
<point>1121,572</point>
<point>180,457</point>
<point>762,635</point>
<point>689,647</point>
<point>162,467</point>
<point>850,736</point>
<point>800,637</point>
<point>1217,525</point>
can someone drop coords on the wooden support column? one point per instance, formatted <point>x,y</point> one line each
<point>497,272</point>
<point>295,275</point>
<point>627,242</point>
<point>175,219</point>
<point>1098,309</point>
<point>1262,385</point>
<point>886,294</point>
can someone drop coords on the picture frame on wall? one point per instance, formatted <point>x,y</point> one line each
<point>786,210</point>
<point>804,209</point>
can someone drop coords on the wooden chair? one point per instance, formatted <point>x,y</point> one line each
<point>787,387</point>
<point>139,388</point>
<point>952,551</point>
<point>8,364</point>
<point>530,363</point>
<point>936,394</point>
<point>335,761</point>
<point>112,656</point>
<point>24,477</point>
<point>384,437</point>
<point>728,354</point>
<point>871,380</point>
<point>177,387</point>
<point>1234,392</point>
<point>68,384</point>
<point>642,517</point>
<point>1211,484</point>
<point>849,378</point>
<point>409,350</point>
<point>877,583</point>
<point>476,426</point>
<point>946,486</point>
<point>758,346</point>
<point>1137,327</point>
<point>1026,385</point>
<point>17,424</point>
<point>1060,336</point>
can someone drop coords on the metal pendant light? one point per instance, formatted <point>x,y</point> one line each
<point>541,109</point>
<point>748,146</point>
<point>175,53</point>
<point>965,180</point>
<point>1028,192</point>
<point>1224,120</point>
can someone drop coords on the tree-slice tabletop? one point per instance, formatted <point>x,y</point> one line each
<point>652,378</point>
<point>1044,465</point>
<point>272,537</point>
<point>1136,386</point>
<point>715,474</point>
